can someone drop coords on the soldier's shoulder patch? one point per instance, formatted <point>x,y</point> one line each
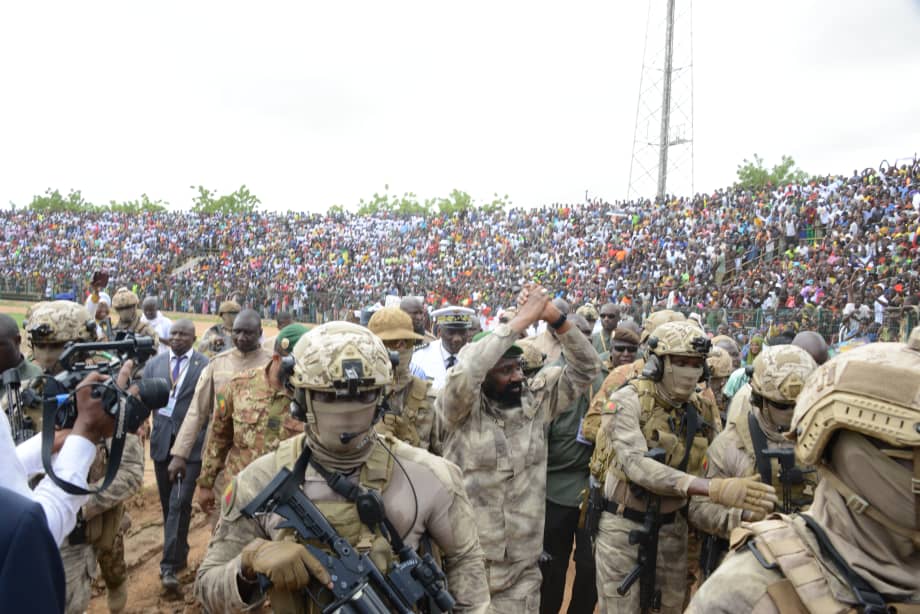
<point>229,495</point>
<point>610,407</point>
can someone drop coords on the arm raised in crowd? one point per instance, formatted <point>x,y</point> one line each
<point>460,395</point>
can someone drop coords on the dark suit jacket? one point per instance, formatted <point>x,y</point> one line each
<point>165,429</point>
<point>31,571</point>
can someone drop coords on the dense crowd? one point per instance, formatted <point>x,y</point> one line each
<point>830,242</point>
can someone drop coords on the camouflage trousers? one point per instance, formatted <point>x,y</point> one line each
<point>79,571</point>
<point>615,558</point>
<point>514,587</point>
<point>112,562</point>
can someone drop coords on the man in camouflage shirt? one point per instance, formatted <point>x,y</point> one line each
<point>209,393</point>
<point>410,400</point>
<point>494,426</point>
<point>220,336</point>
<point>99,532</point>
<point>129,316</point>
<point>253,419</point>
<point>340,373</point>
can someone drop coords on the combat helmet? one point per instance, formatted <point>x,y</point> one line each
<point>59,322</point>
<point>656,319</point>
<point>679,338</point>
<point>228,307</point>
<point>392,324</point>
<point>780,373</point>
<point>341,357</point>
<point>873,389</point>
<point>124,298</point>
<point>532,357</point>
<point>719,363</point>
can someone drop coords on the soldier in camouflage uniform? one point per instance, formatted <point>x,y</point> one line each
<point>99,533</point>
<point>253,419</point>
<point>495,429</point>
<point>340,413</point>
<point>661,409</point>
<point>129,316</point>
<point>410,416</point>
<point>779,373</point>
<point>720,367</point>
<point>729,345</point>
<point>219,337</point>
<point>533,359</point>
<point>209,391</point>
<point>856,548</point>
<point>621,374</point>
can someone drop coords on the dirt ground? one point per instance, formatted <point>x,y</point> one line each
<point>144,540</point>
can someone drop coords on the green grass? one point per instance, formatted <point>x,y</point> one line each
<point>18,317</point>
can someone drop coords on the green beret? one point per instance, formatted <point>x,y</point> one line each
<point>288,337</point>
<point>511,352</point>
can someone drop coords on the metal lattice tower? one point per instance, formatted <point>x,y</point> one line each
<point>662,154</point>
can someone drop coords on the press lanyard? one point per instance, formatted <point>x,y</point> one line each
<point>173,382</point>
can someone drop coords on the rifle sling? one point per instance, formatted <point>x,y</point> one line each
<point>115,451</point>
<point>691,421</point>
<point>337,482</point>
<point>759,439</point>
<point>613,507</point>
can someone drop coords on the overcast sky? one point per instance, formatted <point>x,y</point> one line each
<point>315,104</point>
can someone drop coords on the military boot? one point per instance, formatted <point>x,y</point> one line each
<point>117,597</point>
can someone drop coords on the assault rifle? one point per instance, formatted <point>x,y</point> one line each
<point>595,507</point>
<point>358,586</point>
<point>789,476</point>
<point>647,538</point>
<point>711,553</point>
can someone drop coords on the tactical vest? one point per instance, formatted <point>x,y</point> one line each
<point>404,426</point>
<point>802,493</point>
<point>664,428</point>
<point>343,515</point>
<point>804,588</point>
<point>600,458</point>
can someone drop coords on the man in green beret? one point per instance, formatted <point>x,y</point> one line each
<point>252,419</point>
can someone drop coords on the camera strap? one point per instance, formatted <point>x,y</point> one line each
<point>114,462</point>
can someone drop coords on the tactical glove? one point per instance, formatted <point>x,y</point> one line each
<point>288,565</point>
<point>744,493</point>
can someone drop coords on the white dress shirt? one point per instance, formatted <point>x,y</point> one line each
<point>162,326</point>
<point>71,464</point>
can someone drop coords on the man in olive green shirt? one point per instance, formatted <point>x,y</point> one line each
<point>568,456</point>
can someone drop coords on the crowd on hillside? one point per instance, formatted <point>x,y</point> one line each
<point>830,242</point>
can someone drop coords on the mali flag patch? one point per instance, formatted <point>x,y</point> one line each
<point>230,494</point>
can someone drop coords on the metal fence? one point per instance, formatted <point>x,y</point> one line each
<point>896,323</point>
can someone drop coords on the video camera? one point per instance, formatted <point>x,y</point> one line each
<point>58,390</point>
<point>59,408</point>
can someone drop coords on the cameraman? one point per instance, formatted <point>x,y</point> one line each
<point>98,533</point>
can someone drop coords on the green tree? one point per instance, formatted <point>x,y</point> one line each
<point>335,210</point>
<point>409,204</point>
<point>498,203</point>
<point>752,174</point>
<point>52,201</point>
<point>141,205</point>
<point>241,201</point>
